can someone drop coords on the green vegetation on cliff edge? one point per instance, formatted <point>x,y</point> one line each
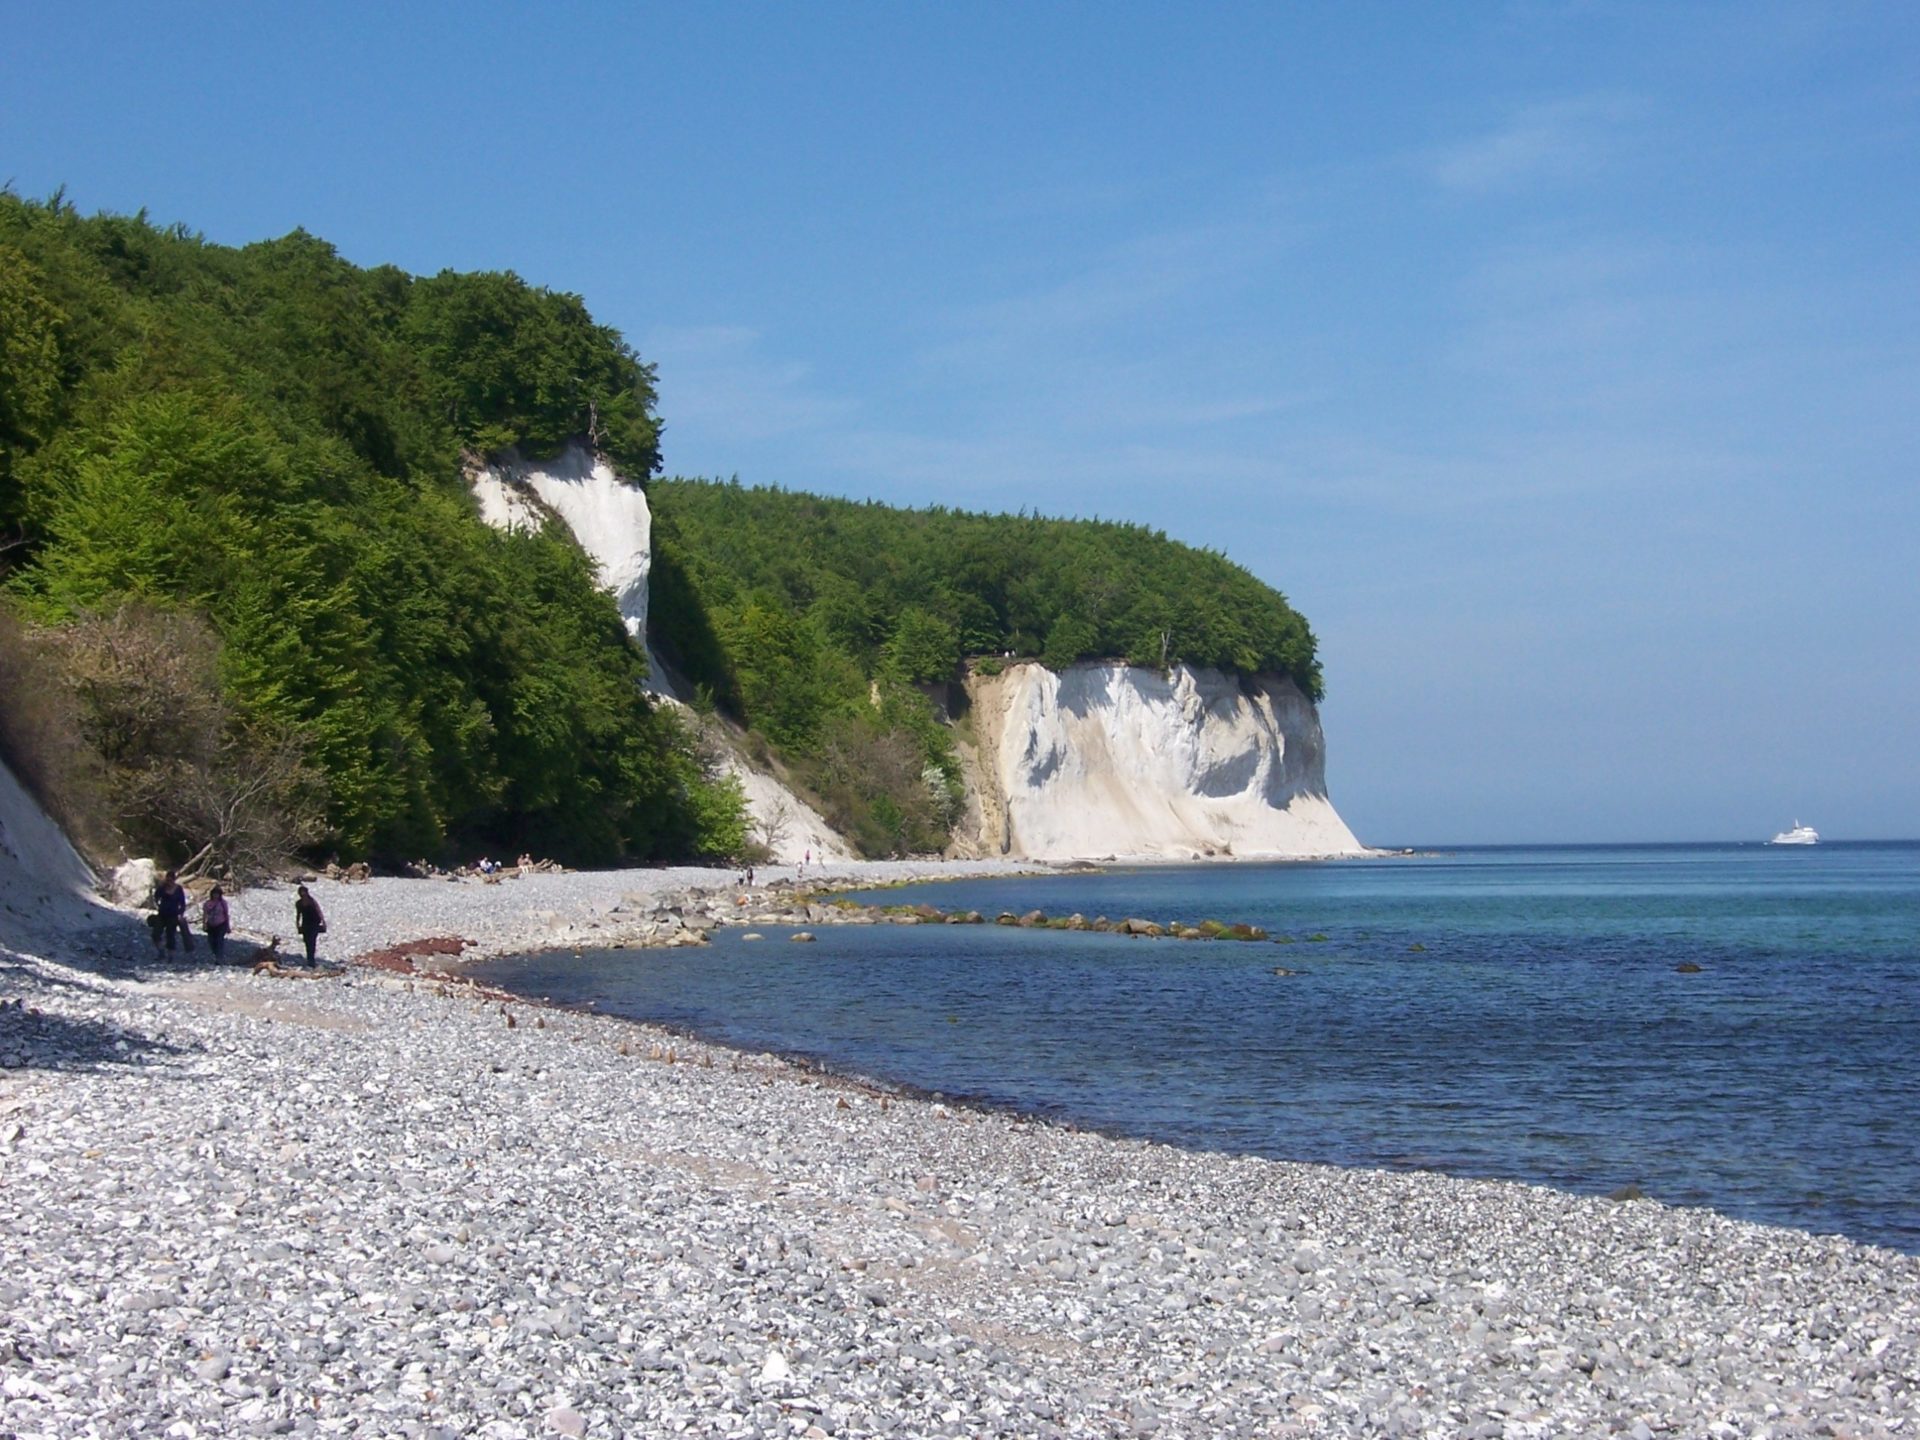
<point>259,453</point>
<point>913,592</point>
<point>829,626</point>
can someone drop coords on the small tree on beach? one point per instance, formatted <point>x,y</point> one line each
<point>183,775</point>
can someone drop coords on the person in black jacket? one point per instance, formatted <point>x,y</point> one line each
<point>170,906</point>
<point>308,920</point>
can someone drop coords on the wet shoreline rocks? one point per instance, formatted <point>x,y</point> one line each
<point>680,918</point>
<point>563,910</point>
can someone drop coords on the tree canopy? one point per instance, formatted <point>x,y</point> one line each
<point>913,592</point>
<point>272,438</point>
<point>831,627</point>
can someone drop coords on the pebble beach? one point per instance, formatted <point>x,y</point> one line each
<point>384,1205</point>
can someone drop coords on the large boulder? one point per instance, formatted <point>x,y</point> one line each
<point>132,884</point>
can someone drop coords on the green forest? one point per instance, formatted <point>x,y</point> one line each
<point>833,627</point>
<point>245,570</point>
<point>247,607</point>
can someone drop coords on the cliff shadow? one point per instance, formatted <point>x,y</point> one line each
<point>681,632</point>
<point>1086,688</point>
<point>36,1039</point>
<point>114,946</point>
<point>39,1029</point>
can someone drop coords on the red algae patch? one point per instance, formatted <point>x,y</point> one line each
<point>399,959</point>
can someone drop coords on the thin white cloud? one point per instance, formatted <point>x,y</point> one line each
<point>719,378</point>
<point>1231,409</point>
<point>1353,477</point>
<point>1587,320</point>
<point>1134,278</point>
<point>1556,141</point>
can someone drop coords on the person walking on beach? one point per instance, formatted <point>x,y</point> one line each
<point>308,920</point>
<point>214,920</point>
<point>170,905</point>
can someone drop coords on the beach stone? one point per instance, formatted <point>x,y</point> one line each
<point>256,1211</point>
<point>213,1367</point>
<point>131,883</point>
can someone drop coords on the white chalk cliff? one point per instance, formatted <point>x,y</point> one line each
<point>608,517</point>
<point>610,520</point>
<point>1106,759</point>
<point>48,887</point>
<point>1101,759</point>
<point>792,830</point>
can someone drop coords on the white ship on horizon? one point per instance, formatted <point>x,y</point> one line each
<point>1798,835</point>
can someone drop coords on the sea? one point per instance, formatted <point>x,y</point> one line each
<point>1733,1026</point>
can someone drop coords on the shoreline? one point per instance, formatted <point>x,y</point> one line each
<point>254,1205</point>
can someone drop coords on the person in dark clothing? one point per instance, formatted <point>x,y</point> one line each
<point>214,920</point>
<point>308,920</point>
<point>170,905</point>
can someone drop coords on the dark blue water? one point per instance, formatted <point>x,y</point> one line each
<point>1495,1012</point>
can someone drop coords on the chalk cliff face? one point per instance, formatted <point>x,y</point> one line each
<point>1101,759</point>
<point>611,522</point>
<point>48,887</point>
<point>608,517</point>
<point>792,830</point>
<point>1106,759</point>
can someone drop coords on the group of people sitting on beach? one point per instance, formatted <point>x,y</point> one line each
<point>172,929</point>
<point>485,866</point>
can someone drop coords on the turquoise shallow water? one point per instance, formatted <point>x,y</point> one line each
<point>1540,1030</point>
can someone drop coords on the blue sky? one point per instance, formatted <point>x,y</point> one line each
<point>1561,362</point>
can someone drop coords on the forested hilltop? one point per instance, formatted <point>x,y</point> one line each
<point>247,606</point>
<point>918,591</point>
<point>821,622</point>
<point>248,603</point>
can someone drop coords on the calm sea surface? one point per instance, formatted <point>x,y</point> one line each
<point>1512,1012</point>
